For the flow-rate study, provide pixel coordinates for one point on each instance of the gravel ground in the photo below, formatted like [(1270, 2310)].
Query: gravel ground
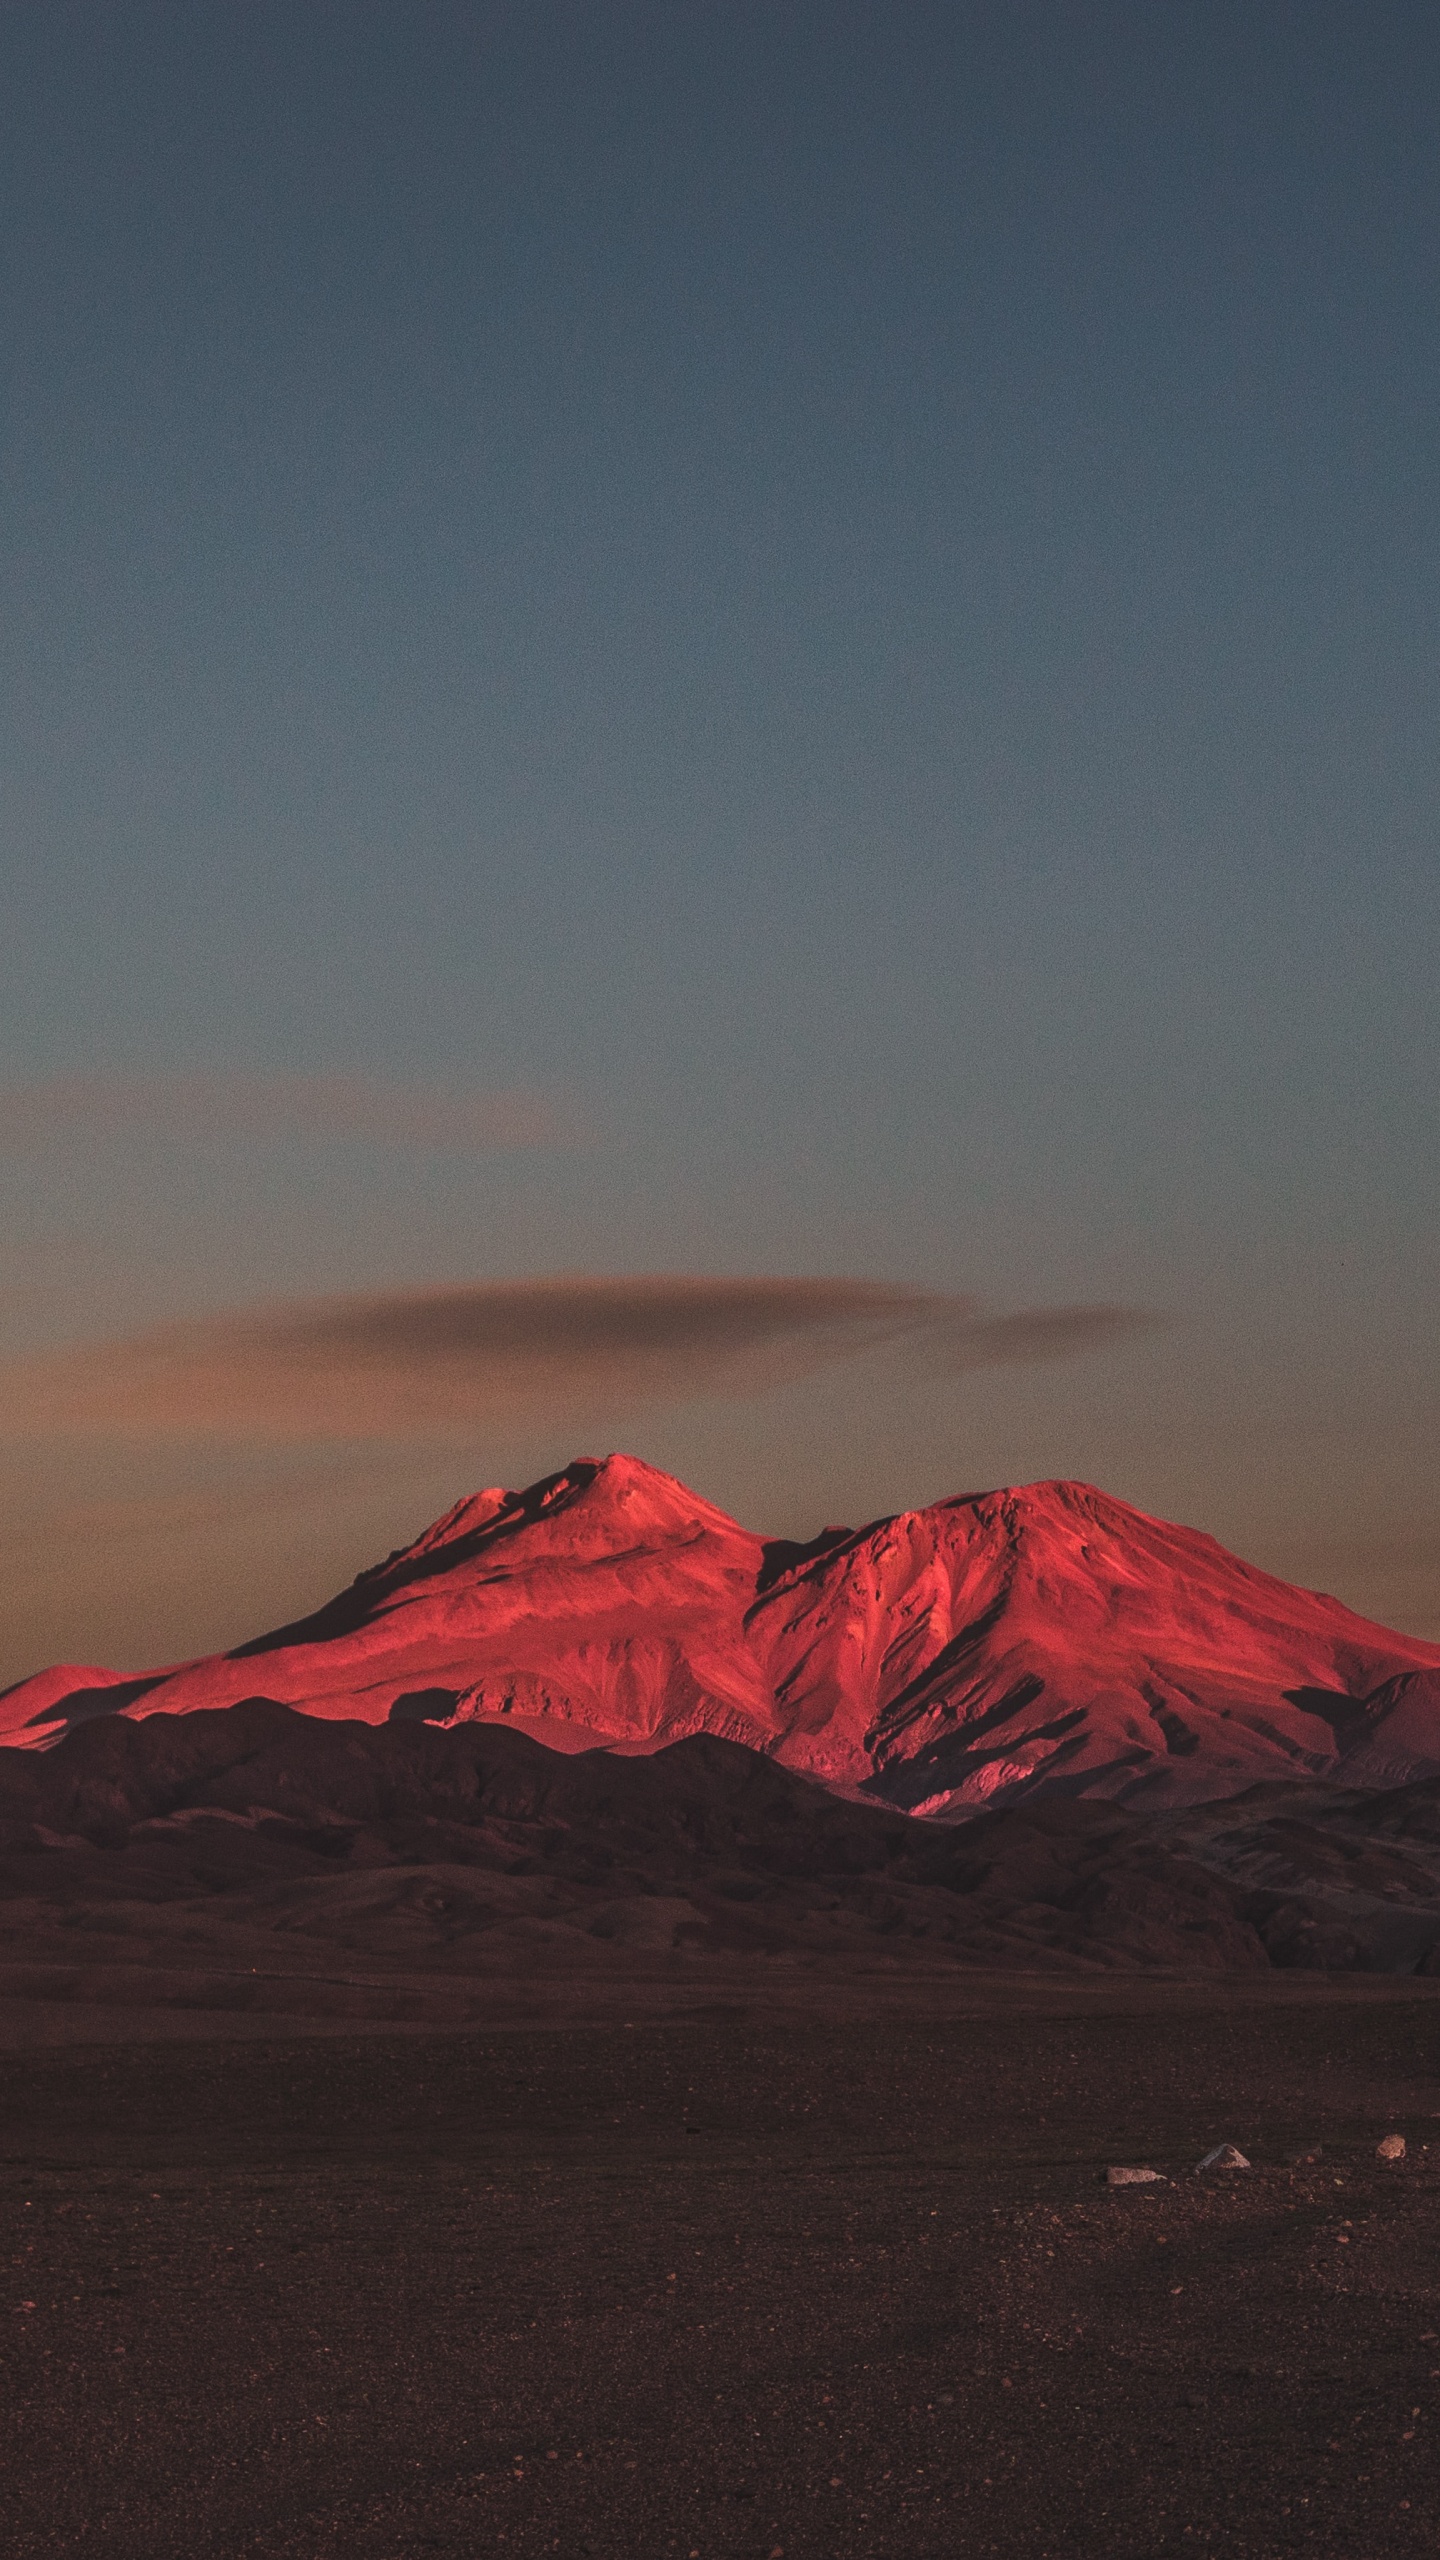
[(727, 2287)]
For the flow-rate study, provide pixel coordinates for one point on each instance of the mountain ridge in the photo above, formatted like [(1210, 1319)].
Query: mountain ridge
[(1047, 1638)]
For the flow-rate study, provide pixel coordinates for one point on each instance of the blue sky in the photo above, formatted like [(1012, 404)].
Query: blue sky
[(842, 601)]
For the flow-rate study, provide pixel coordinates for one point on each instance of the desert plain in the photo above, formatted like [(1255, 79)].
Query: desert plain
[(727, 2266)]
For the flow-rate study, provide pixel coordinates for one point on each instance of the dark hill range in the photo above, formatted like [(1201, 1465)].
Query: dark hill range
[(255, 1859)]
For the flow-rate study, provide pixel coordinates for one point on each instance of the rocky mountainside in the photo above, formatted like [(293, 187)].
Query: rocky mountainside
[(1041, 1640)]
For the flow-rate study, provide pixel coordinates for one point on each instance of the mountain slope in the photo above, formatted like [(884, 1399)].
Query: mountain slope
[(1040, 1639)]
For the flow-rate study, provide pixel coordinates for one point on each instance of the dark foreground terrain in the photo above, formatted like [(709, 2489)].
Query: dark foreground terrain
[(842, 2281)]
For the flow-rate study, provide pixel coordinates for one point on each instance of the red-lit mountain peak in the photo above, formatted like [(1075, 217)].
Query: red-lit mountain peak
[(1042, 1638)]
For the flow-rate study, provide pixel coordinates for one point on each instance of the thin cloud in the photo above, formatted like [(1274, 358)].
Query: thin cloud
[(1042, 1333), (412, 1362), (35, 1116)]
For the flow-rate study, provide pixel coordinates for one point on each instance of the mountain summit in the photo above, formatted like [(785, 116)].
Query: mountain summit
[(1042, 1639)]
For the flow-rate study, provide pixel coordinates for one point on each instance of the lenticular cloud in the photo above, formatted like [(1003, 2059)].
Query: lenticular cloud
[(401, 1362)]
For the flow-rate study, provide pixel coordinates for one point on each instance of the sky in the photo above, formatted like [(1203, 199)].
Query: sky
[(718, 734)]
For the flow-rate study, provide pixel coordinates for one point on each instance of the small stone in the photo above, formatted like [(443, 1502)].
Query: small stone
[(1134, 2178), (1392, 2148), (1224, 2156)]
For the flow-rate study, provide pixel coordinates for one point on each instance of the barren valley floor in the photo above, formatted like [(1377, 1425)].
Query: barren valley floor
[(840, 2281)]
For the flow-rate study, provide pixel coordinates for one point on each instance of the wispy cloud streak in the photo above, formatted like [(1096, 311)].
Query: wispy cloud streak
[(39, 1115), (412, 1362)]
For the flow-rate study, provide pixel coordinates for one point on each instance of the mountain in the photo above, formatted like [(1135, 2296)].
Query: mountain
[(1041, 1640)]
